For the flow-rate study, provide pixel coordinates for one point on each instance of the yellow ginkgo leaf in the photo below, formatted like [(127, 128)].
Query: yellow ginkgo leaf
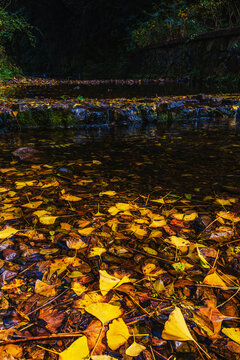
[(76, 244), (40, 213), (227, 215), (158, 223), (21, 184), (223, 202), (83, 223), (7, 232), (108, 193), (123, 206), (3, 171), (117, 334), (77, 350), (88, 299), (159, 201), (78, 288), (50, 184), (214, 280), (44, 289), (190, 217), (33, 205), (113, 210), (96, 251), (178, 216), (178, 241), (69, 197), (150, 250), (135, 349), (47, 219), (138, 231), (176, 328), (15, 351), (3, 189), (232, 333), (65, 226), (86, 231), (104, 312), (108, 282), (102, 357)]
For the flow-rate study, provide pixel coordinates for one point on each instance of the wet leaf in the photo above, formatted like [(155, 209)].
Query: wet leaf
[(135, 349), (77, 350), (33, 205), (15, 351), (96, 251), (176, 328), (104, 312), (47, 219), (69, 197), (7, 232), (108, 193), (232, 333), (117, 334), (44, 289), (108, 282)]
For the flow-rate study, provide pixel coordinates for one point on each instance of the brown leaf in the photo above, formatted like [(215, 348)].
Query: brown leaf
[(92, 332), (53, 318)]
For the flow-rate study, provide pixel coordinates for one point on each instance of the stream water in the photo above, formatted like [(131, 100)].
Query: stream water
[(178, 157), (200, 157)]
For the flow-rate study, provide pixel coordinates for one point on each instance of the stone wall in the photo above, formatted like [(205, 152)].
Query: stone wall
[(212, 53)]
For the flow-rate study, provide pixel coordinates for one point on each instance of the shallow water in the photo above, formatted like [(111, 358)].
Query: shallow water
[(179, 158)]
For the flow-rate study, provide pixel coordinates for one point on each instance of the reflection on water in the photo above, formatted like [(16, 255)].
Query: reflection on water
[(103, 91), (178, 157)]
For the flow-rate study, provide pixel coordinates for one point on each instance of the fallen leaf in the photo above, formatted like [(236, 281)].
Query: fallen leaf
[(77, 350), (104, 312), (47, 219), (215, 280), (92, 333), (96, 251), (176, 328), (33, 205), (232, 333), (178, 241), (15, 351), (7, 232), (44, 289), (108, 193), (117, 334), (69, 197), (86, 231), (108, 282), (52, 317), (135, 349)]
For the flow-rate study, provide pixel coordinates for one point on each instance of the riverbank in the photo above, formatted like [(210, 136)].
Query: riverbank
[(43, 103)]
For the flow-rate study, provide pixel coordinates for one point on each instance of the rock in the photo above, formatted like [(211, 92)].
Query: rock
[(237, 115), (26, 153)]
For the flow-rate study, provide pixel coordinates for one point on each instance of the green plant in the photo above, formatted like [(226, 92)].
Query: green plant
[(9, 25), (179, 19)]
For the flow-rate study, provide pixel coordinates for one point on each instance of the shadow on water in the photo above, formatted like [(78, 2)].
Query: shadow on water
[(183, 157)]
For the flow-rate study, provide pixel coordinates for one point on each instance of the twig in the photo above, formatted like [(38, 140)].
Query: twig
[(149, 255), (43, 337), (48, 302)]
